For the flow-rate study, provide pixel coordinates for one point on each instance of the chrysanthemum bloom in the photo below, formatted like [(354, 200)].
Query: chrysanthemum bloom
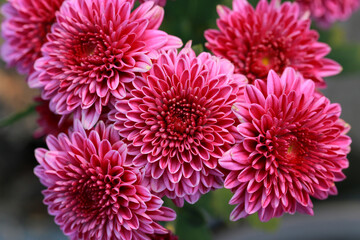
[(24, 29), (94, 49), (158, 2), (294, 147), (179, 122), (49, 122), (326, 12), (272, 36), (92, 193)]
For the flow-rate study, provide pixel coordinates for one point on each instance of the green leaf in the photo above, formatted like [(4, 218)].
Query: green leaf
[(347, 55), (191, 224), (227, 3), (270, 226), (220, 204), (188, 19), (198, 48)]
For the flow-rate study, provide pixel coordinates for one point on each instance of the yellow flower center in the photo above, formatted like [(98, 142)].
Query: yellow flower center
[(265, 61)]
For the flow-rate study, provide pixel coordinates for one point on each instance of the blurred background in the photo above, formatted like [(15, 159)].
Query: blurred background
[(24, 217)]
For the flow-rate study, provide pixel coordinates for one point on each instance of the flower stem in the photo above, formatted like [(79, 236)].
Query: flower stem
[(17, 116)]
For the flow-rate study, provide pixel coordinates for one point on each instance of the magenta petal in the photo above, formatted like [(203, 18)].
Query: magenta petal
[(155, 39), (89, 118), (238, 213)]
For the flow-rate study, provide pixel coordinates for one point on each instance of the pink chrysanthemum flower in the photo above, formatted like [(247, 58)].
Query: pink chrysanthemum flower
[(272, 36), (24, 29), (92, 193), (179, 122), (161, 3), (326, 12), (294, 147), (49, 122), (94, 49)]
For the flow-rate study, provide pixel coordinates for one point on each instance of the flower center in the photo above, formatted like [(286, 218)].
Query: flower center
[(269, 53), (295, 151), (90, 197), (292, 149), (265, 61), (182, 118), (88, 49), (87, 197), (179, 125)]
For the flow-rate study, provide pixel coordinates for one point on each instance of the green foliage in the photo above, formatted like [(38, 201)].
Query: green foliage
[(17, 116), (192, 220), (348, 56), (344, 52), (191, 223), (220, 204), (188, 19), (198, 48), (270, 226)]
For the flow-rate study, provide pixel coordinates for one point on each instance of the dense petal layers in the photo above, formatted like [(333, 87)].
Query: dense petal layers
[(294, 147), (95, 48), (179, 122), (92, 193), (272, 36), (326, 12), (24, 29)]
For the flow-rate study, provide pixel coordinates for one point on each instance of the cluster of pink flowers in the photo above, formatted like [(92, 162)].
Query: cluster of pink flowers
[(130, 119)]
